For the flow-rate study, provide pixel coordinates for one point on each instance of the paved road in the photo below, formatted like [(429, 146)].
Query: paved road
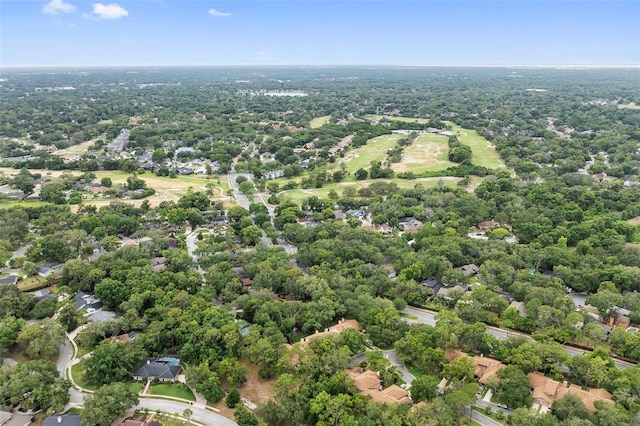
[(428, 317), (65, 353), (392, 356), (8, 361), (199, 414), (481, 418)]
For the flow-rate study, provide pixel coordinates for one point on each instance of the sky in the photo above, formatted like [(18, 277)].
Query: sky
[(313, 32)]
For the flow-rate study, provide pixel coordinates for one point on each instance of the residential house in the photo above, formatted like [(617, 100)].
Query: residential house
[(87, 301), (356, 213), (165, 368), (470, 269), (338, 328), (368, 383), (42, 294), (11, 279), (619, 318), (220, 220), (487, 225), (48, 269), (546, 391), (486, 368), (447, 292), (520, 307), (62, 420), (433, 283), (410, 224), (158, 263)]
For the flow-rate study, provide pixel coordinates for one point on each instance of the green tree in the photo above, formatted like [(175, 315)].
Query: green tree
[(244, 417), (42, 339), (514, 388), (107, 403), (233, 398), (424, 388), (106, 181), (569, 406), (360, 174)]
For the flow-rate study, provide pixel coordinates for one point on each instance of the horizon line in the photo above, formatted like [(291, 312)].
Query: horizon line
[(635, 65)]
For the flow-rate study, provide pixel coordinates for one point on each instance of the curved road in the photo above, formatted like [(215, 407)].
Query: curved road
[(428, 317)]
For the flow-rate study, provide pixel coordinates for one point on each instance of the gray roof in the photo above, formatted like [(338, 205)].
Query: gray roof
[(152, 367), (11, 279), (62, 420)]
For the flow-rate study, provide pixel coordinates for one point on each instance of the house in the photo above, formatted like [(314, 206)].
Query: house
[(619, 319), (470, 269), (355, 213), (447, 292), (341, 326), (87, 301), (48, 269), (246, 282), (546, 391), (62, 420), (220, 220), (165, 368), (140, 421), (11, 279), (433, 283), (520, 307), (486, 368), (42, 294), (185, 149), (385, 230), (410, 224), (487, 225), (158, 263), (368, 383)]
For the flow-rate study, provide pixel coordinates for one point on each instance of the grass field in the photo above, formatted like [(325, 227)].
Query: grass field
[(375, 150), (418, 157), (32, 283), (319, 121), (631, 105), (297, 195), (77, 371), (426, 153), (177, 390), (10, 204)]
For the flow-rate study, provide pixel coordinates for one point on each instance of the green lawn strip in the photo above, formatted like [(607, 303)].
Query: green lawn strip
[(77, 372), (375, 150), (631, 105), (74, 410), (135, 387), (403, 315), (10, 204), (177, 390), (319, 121), (484, 153)]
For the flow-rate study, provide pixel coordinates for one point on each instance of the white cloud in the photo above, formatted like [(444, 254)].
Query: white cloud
[(109, 11), (55, 7), (214, 12)]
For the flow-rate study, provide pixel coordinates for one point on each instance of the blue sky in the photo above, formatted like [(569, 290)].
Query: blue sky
[(243, 32)]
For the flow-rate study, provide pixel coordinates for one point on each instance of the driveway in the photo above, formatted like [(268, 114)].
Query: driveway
[(200, 415), (392, 356)]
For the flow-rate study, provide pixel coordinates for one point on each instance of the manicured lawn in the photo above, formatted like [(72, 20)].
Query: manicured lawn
[(403, 315), (375, 150), (73, 410), (632, 105), (32, 283), (319, 121), (177, 390), (135, 387), (10, 204), (77, 371), (484, 153)]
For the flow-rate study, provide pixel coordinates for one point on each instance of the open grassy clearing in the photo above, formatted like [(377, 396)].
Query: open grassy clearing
[(484, 153), (10, 204), (405, 119), (426, 153), (177, 390), (375, 150), (631, 105), (78, 149), (319, 121), (297, 195)]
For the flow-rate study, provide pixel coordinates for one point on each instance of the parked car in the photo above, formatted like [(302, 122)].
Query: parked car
[(503, 406)]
